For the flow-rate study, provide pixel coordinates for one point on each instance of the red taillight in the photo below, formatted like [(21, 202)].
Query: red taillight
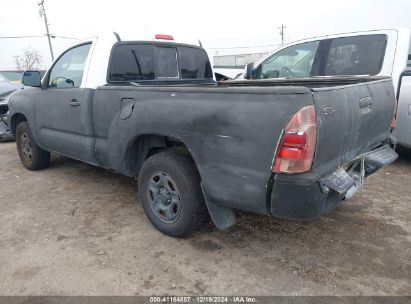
[(164, 37), (394, 119), (295, 140), (297, 146)]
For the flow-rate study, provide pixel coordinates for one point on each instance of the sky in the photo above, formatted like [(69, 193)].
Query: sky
[(217, 23)]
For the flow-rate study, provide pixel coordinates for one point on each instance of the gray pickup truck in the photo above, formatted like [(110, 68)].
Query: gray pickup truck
[(151, 109)]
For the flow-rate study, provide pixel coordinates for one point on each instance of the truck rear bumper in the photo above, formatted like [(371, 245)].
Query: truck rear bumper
[(308, 199)]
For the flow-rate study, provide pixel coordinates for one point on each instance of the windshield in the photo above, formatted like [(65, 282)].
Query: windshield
[(3, 79), (14, 76)]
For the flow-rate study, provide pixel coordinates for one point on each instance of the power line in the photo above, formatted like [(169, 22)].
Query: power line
[(14, 37), (242, 47), (36, 36), (63, 37)]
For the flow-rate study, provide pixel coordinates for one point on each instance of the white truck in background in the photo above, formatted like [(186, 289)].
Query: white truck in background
[(379, 52)]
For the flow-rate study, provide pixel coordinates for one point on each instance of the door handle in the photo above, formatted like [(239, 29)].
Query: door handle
[(365, 102), (74, 103), (365, 105)]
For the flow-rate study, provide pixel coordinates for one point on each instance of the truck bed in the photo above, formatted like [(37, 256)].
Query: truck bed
[(312, 83), (232, 129)]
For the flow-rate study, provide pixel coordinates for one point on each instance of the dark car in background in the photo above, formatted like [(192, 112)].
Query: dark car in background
[(6, 89), (10, 82)]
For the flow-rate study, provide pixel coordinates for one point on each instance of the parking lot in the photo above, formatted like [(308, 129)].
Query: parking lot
[(74, 229)]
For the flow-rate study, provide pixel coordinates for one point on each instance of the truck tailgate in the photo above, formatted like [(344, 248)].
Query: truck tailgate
[(351, 120)]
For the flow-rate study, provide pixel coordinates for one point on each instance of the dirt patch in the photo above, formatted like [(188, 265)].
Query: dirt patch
[(74, 229)]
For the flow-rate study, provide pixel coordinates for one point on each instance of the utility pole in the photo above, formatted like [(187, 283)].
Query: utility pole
[(281, 28), (42, 12)]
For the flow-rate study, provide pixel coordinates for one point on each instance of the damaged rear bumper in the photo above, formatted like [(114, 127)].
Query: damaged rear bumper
[(308, 199)]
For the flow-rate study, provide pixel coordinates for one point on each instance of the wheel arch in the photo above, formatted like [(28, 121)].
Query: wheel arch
[(145, 145), (150, 144), (15, 120)]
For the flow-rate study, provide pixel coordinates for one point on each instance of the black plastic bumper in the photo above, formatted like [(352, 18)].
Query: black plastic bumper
[(301, 200), (309, 199)]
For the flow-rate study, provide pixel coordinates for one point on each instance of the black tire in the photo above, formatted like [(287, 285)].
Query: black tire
[(32, 157), (180, 179)]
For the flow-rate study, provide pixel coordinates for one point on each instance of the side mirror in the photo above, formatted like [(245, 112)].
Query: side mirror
[(31, 78), (248, 70)]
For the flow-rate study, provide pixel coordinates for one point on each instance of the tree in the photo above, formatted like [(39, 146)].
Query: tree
[(30, 60)]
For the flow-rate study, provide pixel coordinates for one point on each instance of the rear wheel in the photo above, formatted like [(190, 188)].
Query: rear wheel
[(32, 157), (170, 192)]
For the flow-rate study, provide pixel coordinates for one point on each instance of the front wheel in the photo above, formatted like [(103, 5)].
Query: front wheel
[(170, 192), (31, 155)]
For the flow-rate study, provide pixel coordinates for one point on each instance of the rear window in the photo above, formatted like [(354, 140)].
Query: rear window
[(357, 55), (167, 62), (147, 61), (194, 64), (132, 62)]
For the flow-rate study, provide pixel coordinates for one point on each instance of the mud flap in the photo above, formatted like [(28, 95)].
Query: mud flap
[(222, 217)]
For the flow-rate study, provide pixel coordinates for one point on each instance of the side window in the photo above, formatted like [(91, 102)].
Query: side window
[(294, 61), (132, 62), (357, 55), (68, 71), (194, 64), (166, 62)]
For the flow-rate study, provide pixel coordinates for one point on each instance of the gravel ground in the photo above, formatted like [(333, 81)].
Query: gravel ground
[(74, 229)]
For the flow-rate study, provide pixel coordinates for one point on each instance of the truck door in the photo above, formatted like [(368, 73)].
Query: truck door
[(402, 132), (63, 108)]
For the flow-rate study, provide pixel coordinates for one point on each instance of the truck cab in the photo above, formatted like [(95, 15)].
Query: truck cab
[(157, 57), (106, 60)]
